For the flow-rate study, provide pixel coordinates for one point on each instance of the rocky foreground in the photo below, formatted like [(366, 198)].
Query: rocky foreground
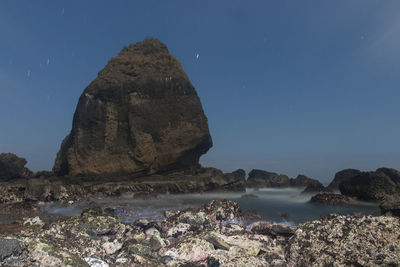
[(214, 235)]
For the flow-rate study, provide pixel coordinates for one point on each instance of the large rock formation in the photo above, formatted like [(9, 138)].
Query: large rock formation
[(373, 186), (140, 115), (12, 167), (342, 176)]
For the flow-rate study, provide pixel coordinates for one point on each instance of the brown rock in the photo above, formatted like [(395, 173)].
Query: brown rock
[(140, 115), (13, 167)]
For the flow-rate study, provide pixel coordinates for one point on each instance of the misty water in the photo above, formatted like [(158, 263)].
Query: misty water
[(270, 204)]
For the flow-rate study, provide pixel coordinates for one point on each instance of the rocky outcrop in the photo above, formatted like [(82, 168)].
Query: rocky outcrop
[(372, 186), (59, 188), (213, 235), (13, 167), (304, 181), (260, 178), (141, 115), (331, 199), (342, 176)]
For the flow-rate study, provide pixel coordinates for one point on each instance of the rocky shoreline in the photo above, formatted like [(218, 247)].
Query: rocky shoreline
[(217, 234)]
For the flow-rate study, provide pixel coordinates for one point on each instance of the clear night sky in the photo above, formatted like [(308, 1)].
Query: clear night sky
[(294, 87)]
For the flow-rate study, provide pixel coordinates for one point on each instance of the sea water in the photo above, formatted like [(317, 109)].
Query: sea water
[(286, 206)]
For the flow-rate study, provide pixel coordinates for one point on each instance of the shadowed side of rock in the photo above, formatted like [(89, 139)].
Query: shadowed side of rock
[(13, 167)]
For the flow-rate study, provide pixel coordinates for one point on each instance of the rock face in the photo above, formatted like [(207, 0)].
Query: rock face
[(12, 167), (140, 115), (372, 186), (260, 178), (341, 176)]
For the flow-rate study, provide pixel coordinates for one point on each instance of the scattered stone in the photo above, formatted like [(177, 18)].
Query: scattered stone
[(112, 247)]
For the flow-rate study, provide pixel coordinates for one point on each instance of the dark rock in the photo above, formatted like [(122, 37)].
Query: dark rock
[(141, 115), (251, 216), (23, 208), (260, 178), (222, 209), (266, 228), (13, 167), (331, 199), (304, 181), (316, 188), (372, 186), (341, 176), (10, 247), (390, 206), (92, 211)]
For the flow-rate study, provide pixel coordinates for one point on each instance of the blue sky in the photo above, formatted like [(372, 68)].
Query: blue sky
[(294, 87)]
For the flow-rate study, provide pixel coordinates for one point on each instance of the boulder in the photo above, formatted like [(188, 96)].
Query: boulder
[(331, 199), (372, 186), (390, 206), (260, 178), (341, 176), (13, 167), (304, 181), (141, 115)]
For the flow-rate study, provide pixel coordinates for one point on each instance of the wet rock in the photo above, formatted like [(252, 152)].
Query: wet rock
[(145, 117), (331, 199), (217, 241), (222, 210)]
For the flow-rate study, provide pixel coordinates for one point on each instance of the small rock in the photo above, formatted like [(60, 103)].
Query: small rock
[(112, 247), (36, 221), (95, 262)]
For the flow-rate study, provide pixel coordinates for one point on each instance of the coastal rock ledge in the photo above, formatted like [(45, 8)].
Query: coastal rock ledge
[(141, 115), (214, 235)]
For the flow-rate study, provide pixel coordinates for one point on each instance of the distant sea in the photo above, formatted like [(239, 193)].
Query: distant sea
[(271, 204)]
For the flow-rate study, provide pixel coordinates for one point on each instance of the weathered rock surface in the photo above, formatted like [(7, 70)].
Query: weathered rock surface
[(331, 199), (141, 115), (260, 178), (346, 241), (373, 186), (341, 176), (13, 167), (213, 235)]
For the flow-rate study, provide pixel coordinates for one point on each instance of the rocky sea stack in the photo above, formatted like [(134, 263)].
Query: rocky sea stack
[(141, 115)]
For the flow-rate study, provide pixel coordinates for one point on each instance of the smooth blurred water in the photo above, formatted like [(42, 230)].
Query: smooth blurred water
[(270, 204)]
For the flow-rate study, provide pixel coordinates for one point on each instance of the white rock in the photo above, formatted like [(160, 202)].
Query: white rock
[(112, 247), (34, 221), (93, 262)]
